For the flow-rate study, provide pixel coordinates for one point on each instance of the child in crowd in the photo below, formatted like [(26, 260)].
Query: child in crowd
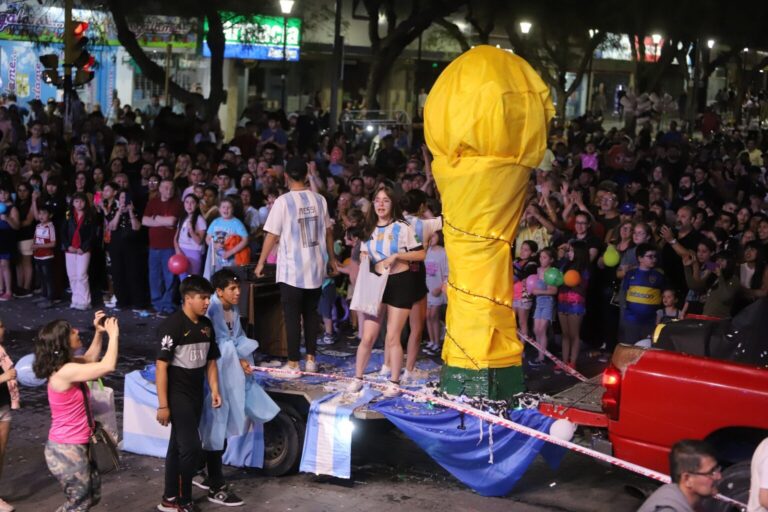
[(325, 308), (9, 399), (642, 288), (78, 239), (523, 266), (190, 235), (352, 268), (544, 312), (43, 249), (436, 264), (226, 238), (572, 301), (669, 312), (188, 353), (243, 401)]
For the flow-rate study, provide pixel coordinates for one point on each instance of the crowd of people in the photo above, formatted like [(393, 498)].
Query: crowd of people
[(655, 225)]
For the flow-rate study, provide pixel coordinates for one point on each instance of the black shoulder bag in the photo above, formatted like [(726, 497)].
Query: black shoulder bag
[(102, 448)]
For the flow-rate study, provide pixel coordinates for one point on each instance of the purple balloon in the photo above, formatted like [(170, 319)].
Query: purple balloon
[(531, 282)]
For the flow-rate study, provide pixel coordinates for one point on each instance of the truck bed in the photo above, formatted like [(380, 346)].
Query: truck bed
[(580, 404)]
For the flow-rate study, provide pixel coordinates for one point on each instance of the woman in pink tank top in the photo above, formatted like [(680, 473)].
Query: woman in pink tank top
[(66, 451)]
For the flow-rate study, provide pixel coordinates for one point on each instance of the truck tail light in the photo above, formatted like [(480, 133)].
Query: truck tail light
[(612, 395)]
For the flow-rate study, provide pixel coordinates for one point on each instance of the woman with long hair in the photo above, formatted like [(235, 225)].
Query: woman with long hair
[(571, 301), (190, 235), (66, 451), (25, 205), (126, 254), (390, 246), (78, 240)]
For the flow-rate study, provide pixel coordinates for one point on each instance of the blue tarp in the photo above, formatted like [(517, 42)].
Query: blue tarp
[(462, 452)]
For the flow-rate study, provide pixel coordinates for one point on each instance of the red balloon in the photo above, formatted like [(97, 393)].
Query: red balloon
[(178, 264), (572, 278)]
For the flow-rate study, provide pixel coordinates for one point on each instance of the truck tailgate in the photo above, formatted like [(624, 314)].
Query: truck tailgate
[(580, 404)]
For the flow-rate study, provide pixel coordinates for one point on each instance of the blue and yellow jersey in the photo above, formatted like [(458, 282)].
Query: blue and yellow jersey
[(643, 294)]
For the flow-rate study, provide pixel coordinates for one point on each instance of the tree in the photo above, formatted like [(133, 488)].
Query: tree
[(215, 38), (399, 34), (554, 49)]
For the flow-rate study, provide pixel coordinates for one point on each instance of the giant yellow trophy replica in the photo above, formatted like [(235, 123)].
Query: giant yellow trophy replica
[(486, 123)]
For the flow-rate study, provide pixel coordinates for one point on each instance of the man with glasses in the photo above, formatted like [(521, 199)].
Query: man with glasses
[(694, 472), (642, 287)]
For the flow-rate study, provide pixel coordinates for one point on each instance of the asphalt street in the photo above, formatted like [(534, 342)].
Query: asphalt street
[(389, 471)]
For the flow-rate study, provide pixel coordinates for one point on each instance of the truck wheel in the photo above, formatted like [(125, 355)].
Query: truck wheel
[(734, 484), (283, 442)]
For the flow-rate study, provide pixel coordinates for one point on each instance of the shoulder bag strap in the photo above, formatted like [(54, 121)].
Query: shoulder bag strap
[(87, 404)]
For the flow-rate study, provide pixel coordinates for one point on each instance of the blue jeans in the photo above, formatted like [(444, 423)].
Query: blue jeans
[(161, 279)]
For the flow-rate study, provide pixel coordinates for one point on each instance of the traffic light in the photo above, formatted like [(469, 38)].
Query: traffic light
[(50, 74), (76, 53)]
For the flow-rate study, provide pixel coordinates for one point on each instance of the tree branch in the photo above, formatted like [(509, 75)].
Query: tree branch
[(147, 66), (455, 32)]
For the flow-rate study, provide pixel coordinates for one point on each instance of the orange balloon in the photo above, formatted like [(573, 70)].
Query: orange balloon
[(572, 278), (346, 262)]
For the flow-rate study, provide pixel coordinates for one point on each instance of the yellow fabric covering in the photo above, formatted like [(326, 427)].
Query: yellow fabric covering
[(485, 122)]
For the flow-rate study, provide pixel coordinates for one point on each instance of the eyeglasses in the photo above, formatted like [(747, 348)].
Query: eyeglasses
[(709, 474)]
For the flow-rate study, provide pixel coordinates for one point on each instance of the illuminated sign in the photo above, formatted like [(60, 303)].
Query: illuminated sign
[(257, 37)]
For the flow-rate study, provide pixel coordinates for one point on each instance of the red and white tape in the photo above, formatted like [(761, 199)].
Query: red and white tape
[(567, 369), (503, 422)]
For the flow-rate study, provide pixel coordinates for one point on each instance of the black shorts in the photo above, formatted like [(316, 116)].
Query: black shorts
[(398, 292)]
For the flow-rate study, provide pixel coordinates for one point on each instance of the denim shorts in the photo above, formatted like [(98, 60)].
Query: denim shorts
[(545, 308), (571, 309)]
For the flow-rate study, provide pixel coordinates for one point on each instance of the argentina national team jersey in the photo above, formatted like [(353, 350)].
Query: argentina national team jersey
[(300, 219), (424, 228), (391, 239)]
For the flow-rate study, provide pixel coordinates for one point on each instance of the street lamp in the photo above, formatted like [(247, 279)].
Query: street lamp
[(710, 43), (286, 6), (656, 38), (525, 27)]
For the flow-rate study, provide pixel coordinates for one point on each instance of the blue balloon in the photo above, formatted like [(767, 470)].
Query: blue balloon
[(3, 208), (24, 373)]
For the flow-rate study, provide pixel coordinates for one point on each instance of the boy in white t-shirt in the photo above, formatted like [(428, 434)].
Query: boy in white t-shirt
[(299, 220)]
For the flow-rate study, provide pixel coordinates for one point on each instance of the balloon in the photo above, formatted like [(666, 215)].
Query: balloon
[(3, 208), (572, 278), (24, 373), (178, 264), (346, 262), (531, 282), (611, 257), (553, 277), (337, 247), (562, 429)]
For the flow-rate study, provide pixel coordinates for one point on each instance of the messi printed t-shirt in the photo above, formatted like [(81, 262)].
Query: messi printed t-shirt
[(187, 347), (300, 219), (643, 295)]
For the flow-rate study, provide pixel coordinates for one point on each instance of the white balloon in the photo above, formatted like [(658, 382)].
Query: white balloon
[(562, 429), (24, 373)]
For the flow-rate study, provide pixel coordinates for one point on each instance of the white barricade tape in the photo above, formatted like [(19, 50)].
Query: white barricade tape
[(503, 422), (567, 369)]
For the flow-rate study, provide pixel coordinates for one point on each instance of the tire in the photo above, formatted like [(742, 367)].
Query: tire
[(283, 442), (734, 484)]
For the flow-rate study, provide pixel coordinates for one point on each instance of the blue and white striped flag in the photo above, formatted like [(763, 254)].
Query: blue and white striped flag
[(328, 438)]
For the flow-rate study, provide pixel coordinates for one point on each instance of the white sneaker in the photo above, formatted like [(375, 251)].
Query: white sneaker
[(355, 385), (5, 506), (414, 376), (392, 390), (385, 370), (310, 366), (288, 372)]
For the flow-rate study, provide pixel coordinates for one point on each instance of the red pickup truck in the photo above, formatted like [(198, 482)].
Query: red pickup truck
[(709, 381)]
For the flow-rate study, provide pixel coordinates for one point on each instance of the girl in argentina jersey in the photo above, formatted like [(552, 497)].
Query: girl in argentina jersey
[(390, 245)]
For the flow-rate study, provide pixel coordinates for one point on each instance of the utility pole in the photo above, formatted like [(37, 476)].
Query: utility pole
[(68, 61), (338, 44)]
